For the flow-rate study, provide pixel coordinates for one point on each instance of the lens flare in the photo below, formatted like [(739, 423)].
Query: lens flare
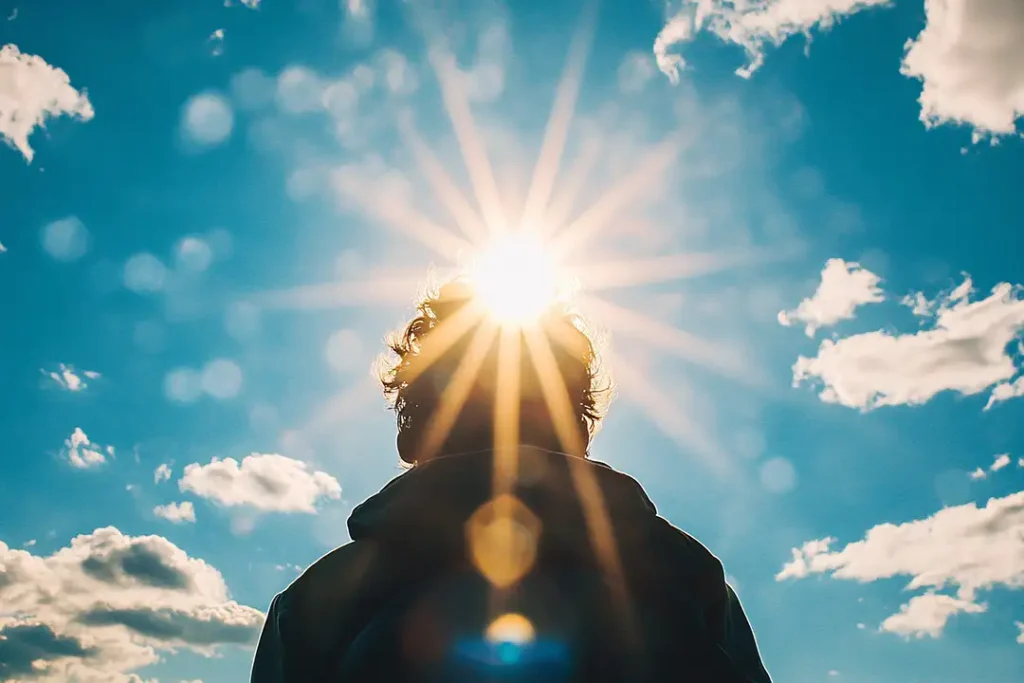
[(515, 278), (510, 628)]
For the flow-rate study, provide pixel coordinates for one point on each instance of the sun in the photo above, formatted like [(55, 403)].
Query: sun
[(515, 278)]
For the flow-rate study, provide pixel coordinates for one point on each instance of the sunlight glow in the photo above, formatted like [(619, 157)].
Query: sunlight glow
[(515, 278), (511, 628)]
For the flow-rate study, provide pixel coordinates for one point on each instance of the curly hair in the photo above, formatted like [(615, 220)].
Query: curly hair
[(421, 365)]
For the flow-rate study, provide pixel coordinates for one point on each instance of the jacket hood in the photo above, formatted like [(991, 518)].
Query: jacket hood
[(431, 502)]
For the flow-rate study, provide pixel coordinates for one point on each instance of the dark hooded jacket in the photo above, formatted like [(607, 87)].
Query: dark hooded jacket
[(416, 524)]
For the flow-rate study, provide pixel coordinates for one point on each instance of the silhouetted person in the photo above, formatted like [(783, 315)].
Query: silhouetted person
[(488, 561)]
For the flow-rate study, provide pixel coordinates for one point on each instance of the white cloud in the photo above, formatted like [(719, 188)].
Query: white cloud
[(109, 604), (268, 482), (926, 615), (176, 512), (918, 303), (844, 287), (67, 378), (1004, 391), (161, 473), (751, 24), (999, 462), (965, 350), (963, 547), (216, 42), (1020, 637), (32, 91), (968, 58), (83, 453)]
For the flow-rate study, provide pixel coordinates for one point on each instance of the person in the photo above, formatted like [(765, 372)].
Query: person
[(504, 552)]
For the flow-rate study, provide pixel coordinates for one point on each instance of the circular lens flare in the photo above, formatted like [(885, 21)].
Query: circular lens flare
[(514, 629), (515, 279)]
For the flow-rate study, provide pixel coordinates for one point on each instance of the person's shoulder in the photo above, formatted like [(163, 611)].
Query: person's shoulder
[(684, 544), (333, 577)]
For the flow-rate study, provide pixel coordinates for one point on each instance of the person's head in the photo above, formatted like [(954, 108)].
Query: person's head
[(450, 338)]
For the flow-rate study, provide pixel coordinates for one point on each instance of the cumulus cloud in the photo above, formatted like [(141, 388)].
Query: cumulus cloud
[(926, 615), (964, 350), (176, 513), (83, 453), (68, 378), (109, 604), (267, 482), (967, 548), (968, 59), (32, 91), (844, 287), (753, 25)]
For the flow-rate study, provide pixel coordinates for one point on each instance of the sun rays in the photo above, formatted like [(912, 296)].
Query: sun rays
[(520, 261), (519, 264)]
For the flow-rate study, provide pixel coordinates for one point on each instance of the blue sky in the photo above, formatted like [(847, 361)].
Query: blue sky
[(807, 276)]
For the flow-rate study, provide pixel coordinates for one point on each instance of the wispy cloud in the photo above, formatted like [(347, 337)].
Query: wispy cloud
[(1006, 391), (966, 547), (965, 351), (161, 473), (844, 288), (176, 513), (216, 42), (753, 25), (267, 482), (68, 378), (32, 91)]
